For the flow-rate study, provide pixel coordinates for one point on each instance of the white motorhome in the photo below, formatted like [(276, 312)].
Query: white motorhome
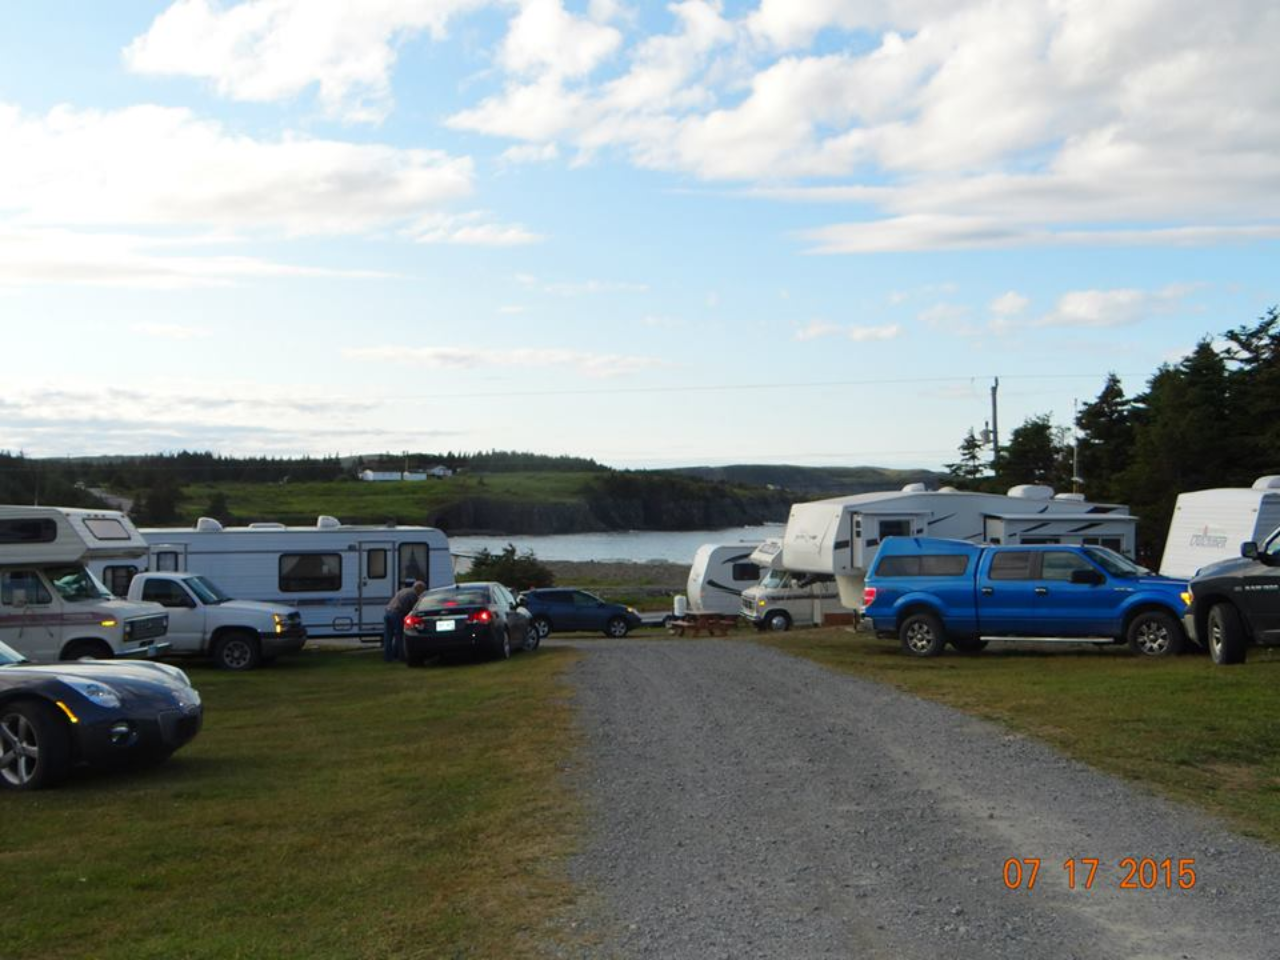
[(719, 574), (784, 599), (51, 606), (840, 536), (1210, 525), (339, 576)]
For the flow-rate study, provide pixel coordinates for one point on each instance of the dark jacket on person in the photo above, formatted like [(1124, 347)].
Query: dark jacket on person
[(403, 602)]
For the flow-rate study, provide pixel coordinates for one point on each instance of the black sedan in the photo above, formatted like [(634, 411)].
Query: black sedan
[(97, 712), (478, 618)]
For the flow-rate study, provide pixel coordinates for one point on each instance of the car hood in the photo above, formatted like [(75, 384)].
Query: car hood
[(1155, 580), (255, 606), (1224, 568), (139, 677)]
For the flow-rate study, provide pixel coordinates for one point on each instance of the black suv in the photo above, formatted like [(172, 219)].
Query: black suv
[(1237, 602)]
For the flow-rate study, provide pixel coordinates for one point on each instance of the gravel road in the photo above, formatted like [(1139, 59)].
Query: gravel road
[(750, 804)]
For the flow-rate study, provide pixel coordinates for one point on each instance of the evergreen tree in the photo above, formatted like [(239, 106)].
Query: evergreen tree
[(1033, 454), (1106, 441), (970, 466)]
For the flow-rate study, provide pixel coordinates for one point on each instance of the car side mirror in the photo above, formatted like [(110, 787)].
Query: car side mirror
[(1249, 550), (1090, 577)]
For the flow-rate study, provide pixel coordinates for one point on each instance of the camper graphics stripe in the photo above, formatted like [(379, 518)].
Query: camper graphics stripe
[(49, 619)]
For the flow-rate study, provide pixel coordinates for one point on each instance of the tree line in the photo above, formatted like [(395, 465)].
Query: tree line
[(1210, 420)]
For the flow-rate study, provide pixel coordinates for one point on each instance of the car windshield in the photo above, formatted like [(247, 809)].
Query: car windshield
[(76, 584), (1115, 564), (208, 591), (9, 655), (1272, 549), (454, 597), (775, 578)]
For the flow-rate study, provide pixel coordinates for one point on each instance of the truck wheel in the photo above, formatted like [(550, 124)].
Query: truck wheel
[(237, 650), (1154, 633), (922, 635), (86, 650), (778, 622), (35, 750), (968, 644), (1226, 635)]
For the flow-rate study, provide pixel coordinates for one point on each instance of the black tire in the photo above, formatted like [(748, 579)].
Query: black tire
[(532, 639), (501, 648), (617, 627), (969, 644), (1224, 632), (543, 627), (87, 650), (1155, 633), (236, 650), (922, 635), (777, 621), (35, 747)]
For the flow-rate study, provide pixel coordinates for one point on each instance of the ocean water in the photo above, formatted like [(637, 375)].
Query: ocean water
[(634, 545)]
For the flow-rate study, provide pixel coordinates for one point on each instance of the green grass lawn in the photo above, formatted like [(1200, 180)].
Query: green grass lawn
[(1209, 735), (333, 806)]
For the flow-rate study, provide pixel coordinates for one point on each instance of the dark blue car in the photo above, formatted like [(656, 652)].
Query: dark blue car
[(565, 610)]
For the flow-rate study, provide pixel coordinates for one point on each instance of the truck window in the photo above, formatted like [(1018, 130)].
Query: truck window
[(25, 582), (166, 593), (37, 530), (933, 565), (1012, 565), (746, 571), (1059, 565), (303, 572), (118, 578)]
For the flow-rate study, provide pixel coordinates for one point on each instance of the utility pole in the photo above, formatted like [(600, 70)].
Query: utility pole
[(995, 428), (1075, 447)]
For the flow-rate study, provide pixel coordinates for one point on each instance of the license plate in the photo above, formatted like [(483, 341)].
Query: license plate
[(444, 626)]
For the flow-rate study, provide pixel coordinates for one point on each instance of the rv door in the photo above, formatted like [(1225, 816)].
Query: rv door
[(376, 583)]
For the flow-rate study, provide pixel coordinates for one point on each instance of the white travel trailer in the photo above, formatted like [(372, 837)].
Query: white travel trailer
[(720, 572), (1210, 525), (840, 536), (339, 576), (51, 607)]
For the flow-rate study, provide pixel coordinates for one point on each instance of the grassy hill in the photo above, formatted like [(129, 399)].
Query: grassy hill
[(814, 482)]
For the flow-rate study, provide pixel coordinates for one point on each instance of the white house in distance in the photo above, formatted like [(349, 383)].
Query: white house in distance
[(438, 472)]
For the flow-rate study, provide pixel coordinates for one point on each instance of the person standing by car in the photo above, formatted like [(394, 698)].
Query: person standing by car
[(393, 620)]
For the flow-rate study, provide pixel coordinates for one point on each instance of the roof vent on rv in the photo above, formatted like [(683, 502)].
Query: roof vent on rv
[(208, 525), (915, 488), (266, 525), (1267, 483), (326, 522), (1078, 497), (1031, 491)]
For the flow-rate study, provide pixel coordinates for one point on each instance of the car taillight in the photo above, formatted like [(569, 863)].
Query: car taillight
[(414, 622), (480, 616), (868, 596)]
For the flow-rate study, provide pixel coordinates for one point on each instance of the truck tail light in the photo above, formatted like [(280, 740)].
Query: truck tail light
[(480, 616), (868, 596)]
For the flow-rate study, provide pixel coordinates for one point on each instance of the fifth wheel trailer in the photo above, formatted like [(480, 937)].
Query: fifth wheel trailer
[(1210, 525), (840, 536)]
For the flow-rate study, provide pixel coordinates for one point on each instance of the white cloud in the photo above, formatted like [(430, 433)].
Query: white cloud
[(545, 38), (471, 229), (816, 329), (1112, 308), (269, 50), (531, 153), (868, 334), (1009, 304), (595, 365), (820, 328), (578, 288)]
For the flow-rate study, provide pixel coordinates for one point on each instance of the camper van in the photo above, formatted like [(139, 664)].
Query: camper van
[(51, 606), (784, 599), (1210, 525), (840, 536), (720, 572), (338, 576)]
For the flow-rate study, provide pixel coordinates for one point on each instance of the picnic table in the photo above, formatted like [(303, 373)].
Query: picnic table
[(696, 624)]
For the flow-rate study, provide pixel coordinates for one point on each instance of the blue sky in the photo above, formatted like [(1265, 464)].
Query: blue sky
[(804, 231)]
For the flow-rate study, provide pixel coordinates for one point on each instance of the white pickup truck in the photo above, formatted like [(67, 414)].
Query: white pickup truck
[(237, 634)]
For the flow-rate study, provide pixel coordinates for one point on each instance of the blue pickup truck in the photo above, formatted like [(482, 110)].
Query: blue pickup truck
[(929, 592)]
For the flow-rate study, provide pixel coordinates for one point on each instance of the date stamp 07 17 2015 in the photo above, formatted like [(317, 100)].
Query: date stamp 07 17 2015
[(1135, 873)]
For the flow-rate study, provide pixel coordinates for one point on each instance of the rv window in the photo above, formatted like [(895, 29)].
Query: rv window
[(302, 572), (1059, 565), (1111, 543), (1012, 565), (746, 571), (39, 530), (167, 561), (26, 582), (376, 565), (107, 529), (413, 562), (895, 528), (118, 579)]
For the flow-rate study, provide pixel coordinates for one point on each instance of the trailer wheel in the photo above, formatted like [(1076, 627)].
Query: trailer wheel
[(35, 750), (237, 650), (1154, 633), (1226, 635), (922, 635)]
